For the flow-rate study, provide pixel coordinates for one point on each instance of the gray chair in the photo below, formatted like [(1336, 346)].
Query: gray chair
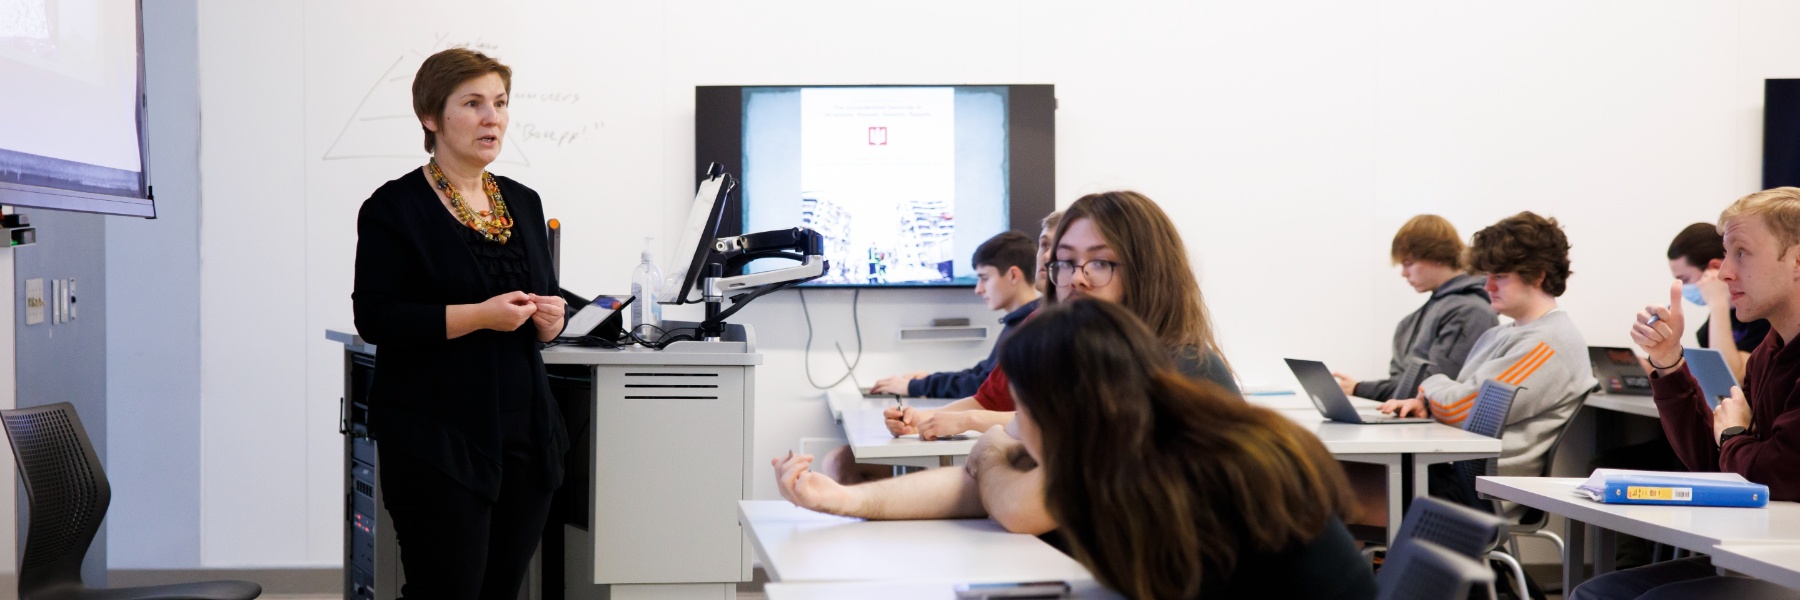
[(1493, 402), (1425, 571), (1459, 529), (68, 495), (1406, 386)]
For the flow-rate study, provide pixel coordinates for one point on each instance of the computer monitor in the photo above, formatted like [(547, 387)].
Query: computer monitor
[(698, 236), (901, 182)]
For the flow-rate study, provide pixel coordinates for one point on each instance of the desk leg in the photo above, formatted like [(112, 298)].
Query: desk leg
[(1606, 551), (1396, 493), (946, 461), (1575, 566)]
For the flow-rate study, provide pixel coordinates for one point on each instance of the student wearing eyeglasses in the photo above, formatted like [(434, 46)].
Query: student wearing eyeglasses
[(1117, 247)]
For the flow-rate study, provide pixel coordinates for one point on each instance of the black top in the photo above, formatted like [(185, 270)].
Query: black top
[(441, 400), (1328, 568), (1746, 335), (962, 384)]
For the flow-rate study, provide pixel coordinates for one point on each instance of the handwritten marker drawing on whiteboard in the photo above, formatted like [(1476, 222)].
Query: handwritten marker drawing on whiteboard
[(383, 125)]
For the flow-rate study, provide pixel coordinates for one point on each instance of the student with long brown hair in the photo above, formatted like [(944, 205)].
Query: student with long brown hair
[(1167, 487), (1117, 247)]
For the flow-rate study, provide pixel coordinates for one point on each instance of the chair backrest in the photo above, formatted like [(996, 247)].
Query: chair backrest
[(1460, 529), (1406, 386), (1492, 403), (66, 489), (1427, 571)]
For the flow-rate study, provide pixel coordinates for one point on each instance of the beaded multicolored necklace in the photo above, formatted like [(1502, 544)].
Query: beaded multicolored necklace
[(497, 228)]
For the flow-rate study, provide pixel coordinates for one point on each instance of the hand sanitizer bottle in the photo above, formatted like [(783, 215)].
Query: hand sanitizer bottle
[(646, 281)]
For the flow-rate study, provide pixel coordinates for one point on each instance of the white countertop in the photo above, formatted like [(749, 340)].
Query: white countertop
[(1775, 563), (1399, 438), (1697, 528), (798, 545)]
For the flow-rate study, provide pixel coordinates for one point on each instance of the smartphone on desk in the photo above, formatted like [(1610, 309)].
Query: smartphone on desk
[(1013, 590)]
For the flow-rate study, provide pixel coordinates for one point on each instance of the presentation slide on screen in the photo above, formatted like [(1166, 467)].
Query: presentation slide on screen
[(78, 60), (902, 182)]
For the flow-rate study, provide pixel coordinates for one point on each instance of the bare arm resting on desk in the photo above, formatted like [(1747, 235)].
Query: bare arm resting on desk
[(934, 494), (1010, 483)]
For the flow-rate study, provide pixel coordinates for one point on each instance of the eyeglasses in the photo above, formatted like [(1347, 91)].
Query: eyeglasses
[(1099, 272)]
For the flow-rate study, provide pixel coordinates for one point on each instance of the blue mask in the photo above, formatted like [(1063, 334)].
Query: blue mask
[(1691, 291)]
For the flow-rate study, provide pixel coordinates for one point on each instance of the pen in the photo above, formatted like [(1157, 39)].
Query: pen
[(1654, 318)]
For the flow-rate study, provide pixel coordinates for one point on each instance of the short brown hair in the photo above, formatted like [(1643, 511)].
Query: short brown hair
[(1162, 485), (1007, 250), (1428, 237), (1526, 244), (438, 77), (1700, 244), (1780, 210)]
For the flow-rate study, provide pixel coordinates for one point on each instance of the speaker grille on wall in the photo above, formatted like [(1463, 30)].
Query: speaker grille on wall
[(1781, 133)]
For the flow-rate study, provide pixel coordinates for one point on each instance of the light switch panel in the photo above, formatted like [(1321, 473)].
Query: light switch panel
[(34, 301)]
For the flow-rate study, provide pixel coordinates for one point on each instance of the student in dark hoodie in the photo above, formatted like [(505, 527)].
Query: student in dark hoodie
[(1430, 255)]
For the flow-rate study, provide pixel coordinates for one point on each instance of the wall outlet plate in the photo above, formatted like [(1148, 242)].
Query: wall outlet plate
[(34, 301)]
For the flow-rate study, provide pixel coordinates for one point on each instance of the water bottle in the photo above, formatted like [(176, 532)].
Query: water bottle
[(645, 283)]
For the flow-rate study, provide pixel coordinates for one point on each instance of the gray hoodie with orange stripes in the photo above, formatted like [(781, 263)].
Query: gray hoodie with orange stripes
[(1548, 359)]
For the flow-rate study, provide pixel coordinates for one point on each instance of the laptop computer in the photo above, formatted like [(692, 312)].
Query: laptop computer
[(1709, 368), (1331, 401), (1619, 371)]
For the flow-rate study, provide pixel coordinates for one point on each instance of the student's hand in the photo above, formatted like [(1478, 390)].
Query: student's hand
[(902, 421), (896, 384), (994, 449), (1732, 412), (1661, 340), (943, 424), (1345, 382), (1713, 291), (809, 490), (1411, 407), (506, 312), (549, 312)]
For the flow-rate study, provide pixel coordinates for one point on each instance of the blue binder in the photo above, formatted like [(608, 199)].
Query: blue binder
[(1677, 491)]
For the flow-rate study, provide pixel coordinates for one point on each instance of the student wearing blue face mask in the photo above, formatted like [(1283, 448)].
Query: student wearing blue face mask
[(1694, 258)]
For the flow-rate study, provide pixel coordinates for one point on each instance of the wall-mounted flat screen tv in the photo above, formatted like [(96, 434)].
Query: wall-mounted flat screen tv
[(903, 181)]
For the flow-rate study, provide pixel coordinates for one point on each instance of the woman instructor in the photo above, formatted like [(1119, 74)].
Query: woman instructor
[(454, 284)]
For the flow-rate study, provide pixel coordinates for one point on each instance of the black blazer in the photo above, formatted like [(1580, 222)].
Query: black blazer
[(438, 400)]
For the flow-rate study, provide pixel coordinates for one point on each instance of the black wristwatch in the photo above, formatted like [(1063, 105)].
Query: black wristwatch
[(1730, 432)]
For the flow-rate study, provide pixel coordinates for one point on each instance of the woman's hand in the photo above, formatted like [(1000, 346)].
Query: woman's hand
[(548, 316), (904, 420), (506, 312), (810, 490), (943, 424)]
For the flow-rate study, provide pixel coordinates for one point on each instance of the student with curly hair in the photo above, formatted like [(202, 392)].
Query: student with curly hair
[(1526, 259)]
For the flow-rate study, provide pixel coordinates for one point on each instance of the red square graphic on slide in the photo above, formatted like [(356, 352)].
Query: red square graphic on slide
[(877, 136)]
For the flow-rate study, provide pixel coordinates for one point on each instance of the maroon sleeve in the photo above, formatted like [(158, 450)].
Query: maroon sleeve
[(1769, 456), (1685, 419), (996, 392)]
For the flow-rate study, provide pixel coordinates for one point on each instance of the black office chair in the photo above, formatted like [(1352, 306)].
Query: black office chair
[(1425, 571), (68, 496)]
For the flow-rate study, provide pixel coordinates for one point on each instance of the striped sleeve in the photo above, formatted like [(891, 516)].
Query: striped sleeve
[(1450, 401)]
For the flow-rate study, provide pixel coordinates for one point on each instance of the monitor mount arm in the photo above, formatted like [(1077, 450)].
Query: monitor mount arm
[(798, 244)]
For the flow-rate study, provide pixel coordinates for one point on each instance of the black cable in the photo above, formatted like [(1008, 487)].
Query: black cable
[(856, 317)]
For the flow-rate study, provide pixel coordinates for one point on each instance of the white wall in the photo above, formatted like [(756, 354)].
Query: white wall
[(1287, 139)]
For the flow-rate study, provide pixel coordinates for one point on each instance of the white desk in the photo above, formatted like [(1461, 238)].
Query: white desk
[(1641, 406), (897, 590), (1398, 447), (1774, 563), (799, 545), (871, 442), (1697, 528)]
